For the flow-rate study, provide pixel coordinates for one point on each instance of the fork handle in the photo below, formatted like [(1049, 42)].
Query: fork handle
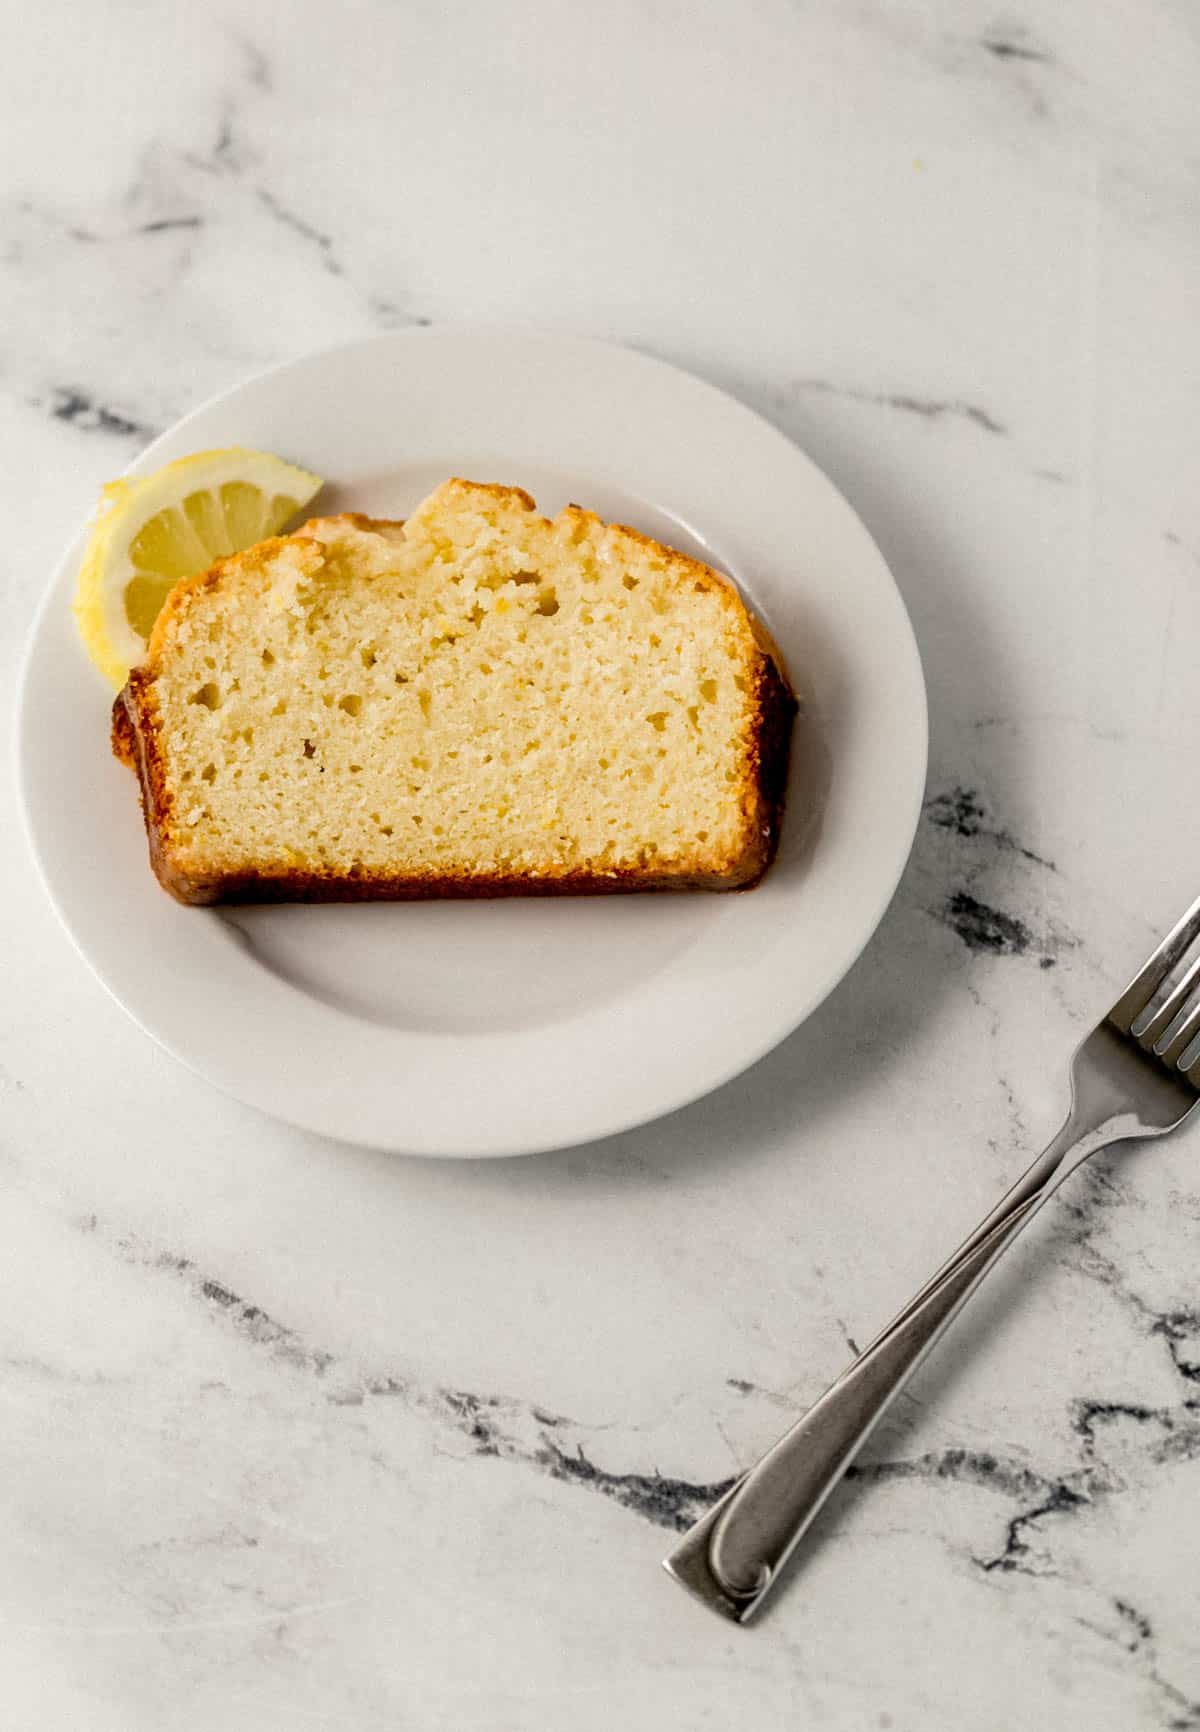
[(734, 1554)]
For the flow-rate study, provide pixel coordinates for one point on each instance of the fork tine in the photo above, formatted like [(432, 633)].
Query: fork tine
[(1143, 986), (1168, 1010), (1183, 1037)]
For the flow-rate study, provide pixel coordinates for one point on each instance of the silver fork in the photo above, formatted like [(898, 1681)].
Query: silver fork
[(1136, 1075)]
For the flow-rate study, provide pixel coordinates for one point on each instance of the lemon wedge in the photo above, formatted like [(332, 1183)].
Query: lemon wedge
[(152, 530)]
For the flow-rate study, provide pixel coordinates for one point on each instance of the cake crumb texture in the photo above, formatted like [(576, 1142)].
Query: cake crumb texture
[(477, 701)]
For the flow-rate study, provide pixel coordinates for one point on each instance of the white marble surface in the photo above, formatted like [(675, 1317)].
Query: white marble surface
[(294, 1435)]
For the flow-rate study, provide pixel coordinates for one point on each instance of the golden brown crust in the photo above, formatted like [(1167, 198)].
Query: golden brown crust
[(124, 742), (365, 886), (497, 490), (135, 742)]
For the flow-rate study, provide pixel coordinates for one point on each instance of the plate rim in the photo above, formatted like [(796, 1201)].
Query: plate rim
[(618, 1122)]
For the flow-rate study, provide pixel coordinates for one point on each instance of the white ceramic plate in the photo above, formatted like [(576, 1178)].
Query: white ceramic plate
[(497, 1028)]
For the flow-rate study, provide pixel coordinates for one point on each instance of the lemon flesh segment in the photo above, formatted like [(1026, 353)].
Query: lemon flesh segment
[(155, 530), (144, 597)]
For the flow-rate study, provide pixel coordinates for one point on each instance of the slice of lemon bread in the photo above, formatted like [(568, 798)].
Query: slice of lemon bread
[(479, 701)]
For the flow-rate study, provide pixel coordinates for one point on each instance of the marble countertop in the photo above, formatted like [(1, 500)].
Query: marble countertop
[(295, 1435)]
